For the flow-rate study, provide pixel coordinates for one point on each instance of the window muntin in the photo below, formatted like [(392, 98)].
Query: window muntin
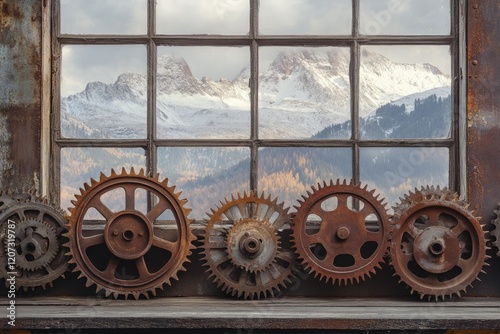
[(352, 149)]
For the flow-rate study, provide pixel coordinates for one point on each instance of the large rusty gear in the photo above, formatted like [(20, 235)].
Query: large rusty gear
[(242, 249), (438, 247), (496, 232), (39, 227), (121, 244), (36, 244), (341, 232)]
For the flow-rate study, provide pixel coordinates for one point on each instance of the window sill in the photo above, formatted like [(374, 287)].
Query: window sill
[(284, 313)]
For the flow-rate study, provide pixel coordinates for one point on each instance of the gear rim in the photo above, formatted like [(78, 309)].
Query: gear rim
[(266, 282), (313, 259), (126, 285), (424, 203)]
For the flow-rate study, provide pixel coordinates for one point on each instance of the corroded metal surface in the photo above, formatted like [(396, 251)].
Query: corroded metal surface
[(483, 110), (39, 225), (242, 249), (341, 232), (438, 247), (20, 95), (131, 252)]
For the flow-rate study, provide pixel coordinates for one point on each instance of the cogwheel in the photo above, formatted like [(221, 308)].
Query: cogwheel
[(241, 247), (36, 244), (124, 246), (496, 232), (38, 228), (341, 232), (438, 246)]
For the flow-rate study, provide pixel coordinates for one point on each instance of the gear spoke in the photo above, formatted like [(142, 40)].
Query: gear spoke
[(158, 209), (101, 207), (92, 241), (129, 198), (109, 272), (458, 229), (142, 268), (165, 244)]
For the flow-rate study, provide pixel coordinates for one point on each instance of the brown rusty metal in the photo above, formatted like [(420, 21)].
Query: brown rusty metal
[(241, 247), (20, 96), (495, 233), (341, 232), (38, 244), (438, 247), (122, 256), (483, 111)]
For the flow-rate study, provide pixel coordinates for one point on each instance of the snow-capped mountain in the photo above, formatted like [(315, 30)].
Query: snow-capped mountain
[(299, 92)]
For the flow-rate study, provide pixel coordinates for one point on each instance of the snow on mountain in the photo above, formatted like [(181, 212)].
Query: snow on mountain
[(300, 92)]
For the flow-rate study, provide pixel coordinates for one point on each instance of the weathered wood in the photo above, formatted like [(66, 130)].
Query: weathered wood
[(300, 313)]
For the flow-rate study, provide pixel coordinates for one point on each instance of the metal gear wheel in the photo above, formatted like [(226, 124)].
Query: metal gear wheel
[(36, 244), (341, 232), (123, 245), (242, 249), (438, 247), (39, 228), (496, 232)]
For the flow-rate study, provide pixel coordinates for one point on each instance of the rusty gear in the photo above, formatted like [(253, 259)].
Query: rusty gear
[(36, 244), (242, 249), (496, 232), (123, 248), (39, 226), (341, 232), (438, 246)]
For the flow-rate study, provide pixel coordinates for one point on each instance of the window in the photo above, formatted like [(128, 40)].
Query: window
[(226, 96)]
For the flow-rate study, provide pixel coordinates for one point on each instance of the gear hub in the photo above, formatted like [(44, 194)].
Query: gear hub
[(341, 232), (438, 246), (242, 248), (126, 244)]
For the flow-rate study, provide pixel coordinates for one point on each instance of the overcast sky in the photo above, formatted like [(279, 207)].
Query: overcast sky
[(83, 64)]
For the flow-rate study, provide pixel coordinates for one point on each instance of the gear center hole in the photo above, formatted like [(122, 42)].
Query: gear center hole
[(128, 235), (30, 247), (437, 248)]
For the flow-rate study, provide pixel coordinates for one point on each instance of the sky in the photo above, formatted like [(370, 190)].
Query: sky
[(84, 64)]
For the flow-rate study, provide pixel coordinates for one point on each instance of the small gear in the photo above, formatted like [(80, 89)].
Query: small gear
[(496, 232), (38, 236), (36, 244), (438, 247), (242, 249), (341, 232), (130, 249)]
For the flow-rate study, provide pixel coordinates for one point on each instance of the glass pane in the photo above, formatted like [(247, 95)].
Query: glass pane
[(393, 172), (305, 17), (303, 91), (127, 17), (78, 165), (205, 175), (405, 17), (103, 91), (289, 172), (405, 92), (203, 92), (226, 17)]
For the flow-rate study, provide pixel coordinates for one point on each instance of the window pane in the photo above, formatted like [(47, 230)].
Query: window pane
[(202, 92), (302, 91), (305, 17), (125, 17), (405, 17), (288, 172), (78, 165), (393, 172), (103, 91), (205, 174), (405, 92), (226, 17)]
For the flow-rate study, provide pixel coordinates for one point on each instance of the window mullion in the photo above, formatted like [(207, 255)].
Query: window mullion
[(254, 99)]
